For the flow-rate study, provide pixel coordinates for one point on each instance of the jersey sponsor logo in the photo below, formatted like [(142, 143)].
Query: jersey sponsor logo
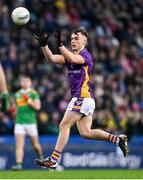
[(21, 102), (74, 71)]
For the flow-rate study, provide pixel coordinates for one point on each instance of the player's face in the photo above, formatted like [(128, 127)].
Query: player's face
[(78, 41), (26, 83)]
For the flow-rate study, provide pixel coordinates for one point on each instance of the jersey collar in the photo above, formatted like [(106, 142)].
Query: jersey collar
[(25, 90)]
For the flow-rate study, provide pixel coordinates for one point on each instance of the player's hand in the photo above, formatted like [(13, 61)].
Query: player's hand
[(41, 38), (29, 101), (59, 39)]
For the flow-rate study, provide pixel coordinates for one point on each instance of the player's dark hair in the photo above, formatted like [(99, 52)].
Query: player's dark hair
[(25, 76), (82, 30)]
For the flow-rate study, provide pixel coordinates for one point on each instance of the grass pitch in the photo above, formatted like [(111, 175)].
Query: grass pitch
[(73, 174)]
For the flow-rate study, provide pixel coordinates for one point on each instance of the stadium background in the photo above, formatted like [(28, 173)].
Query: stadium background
[(116, 44)]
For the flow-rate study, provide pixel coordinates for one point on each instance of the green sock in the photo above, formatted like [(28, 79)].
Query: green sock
[(41, 156), (5, 101), (19, 164)]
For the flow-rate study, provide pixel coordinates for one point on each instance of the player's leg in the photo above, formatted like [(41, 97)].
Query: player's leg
[(84, 127), (4, 91), (19, 132), (32, 132), (19, 151), (67, 122), (37, 147), (19, 148)]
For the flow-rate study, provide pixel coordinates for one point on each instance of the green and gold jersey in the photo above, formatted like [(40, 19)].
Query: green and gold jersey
[(25, 113)]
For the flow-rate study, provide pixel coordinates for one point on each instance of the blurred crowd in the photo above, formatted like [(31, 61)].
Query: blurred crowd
[(115, 41)]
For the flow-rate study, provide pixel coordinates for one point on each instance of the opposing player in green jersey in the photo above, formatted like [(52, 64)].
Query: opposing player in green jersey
[(27, 102)]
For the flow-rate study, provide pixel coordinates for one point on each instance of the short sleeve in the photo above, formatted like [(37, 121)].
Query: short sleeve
[(35, 96), (87, 57)]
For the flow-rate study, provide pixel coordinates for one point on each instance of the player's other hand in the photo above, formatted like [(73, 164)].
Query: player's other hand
[(41, 38), (59, 39)]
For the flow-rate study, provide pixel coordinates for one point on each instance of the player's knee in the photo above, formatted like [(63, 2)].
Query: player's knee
[(63, 125), (85, 134), (19, 146)]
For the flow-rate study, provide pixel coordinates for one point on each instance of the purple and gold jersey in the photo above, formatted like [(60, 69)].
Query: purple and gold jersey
[(79, 76)]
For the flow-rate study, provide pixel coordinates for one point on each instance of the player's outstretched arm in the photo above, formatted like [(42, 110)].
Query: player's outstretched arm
[(68, 55), (3, 84), (59, 59), (5, 102), (71, 57), (54, 58)]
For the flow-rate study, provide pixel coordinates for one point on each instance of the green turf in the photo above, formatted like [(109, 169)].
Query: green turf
[(73, 174)]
